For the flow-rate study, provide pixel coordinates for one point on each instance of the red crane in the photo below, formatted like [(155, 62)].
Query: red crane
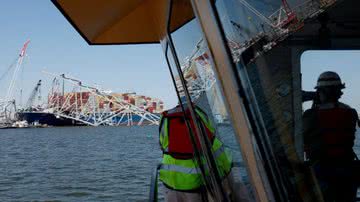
[(23, 50), (286, 6), (291, 15)]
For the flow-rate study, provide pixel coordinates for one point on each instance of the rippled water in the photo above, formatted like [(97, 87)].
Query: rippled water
[(79, 163)]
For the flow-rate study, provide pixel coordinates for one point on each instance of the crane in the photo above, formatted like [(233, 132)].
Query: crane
[(282, 24), (35, 92), (7, 104), (257, 13), (20, 60), (291, 15), (286, 6), (285, 16), (240, 29)]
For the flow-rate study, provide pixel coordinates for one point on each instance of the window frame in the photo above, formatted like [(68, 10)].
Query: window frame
[(237, 103), (216, 188)]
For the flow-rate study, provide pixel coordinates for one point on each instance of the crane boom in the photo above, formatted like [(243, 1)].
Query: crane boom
[(20, 59), (33, 95), (23, 50), (287, 7), (257, 13)]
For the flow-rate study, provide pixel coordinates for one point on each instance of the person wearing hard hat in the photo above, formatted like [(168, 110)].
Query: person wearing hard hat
[(180, 172), (329, 134)]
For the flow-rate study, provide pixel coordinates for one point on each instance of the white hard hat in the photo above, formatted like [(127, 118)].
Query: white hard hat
[(329, 79)]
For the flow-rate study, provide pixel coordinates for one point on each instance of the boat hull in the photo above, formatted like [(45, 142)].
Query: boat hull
[(49, 119), (46, 119)]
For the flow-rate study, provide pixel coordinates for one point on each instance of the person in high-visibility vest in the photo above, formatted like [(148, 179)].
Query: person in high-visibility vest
[(329, 134), (179, 171)]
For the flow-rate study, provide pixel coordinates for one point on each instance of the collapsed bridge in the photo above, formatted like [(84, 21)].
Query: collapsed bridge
[(72, 102)]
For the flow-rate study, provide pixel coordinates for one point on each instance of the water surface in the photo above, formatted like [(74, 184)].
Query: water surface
[(81, 163), (77, 163)]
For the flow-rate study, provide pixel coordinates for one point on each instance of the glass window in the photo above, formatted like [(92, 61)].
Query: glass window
[(258, 34), (268, 82), (345, 64), (247, 22), (201, 83)]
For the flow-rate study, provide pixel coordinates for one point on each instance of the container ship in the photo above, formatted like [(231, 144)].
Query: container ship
[(89, 108), (45, 119)]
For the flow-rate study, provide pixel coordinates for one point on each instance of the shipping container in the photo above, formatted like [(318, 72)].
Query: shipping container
[(132, 101)]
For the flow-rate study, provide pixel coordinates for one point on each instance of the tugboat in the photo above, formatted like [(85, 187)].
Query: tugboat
[(253, 49)]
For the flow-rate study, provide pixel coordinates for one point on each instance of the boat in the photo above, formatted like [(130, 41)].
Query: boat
[(20, 124), (45, 118), (256, 63), (51, 119), (7, 127)]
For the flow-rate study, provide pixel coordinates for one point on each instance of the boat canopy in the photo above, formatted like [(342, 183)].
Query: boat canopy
[(122, 21)]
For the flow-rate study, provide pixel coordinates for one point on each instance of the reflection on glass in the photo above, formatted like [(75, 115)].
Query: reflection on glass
[(172, 65), (247, 23), (260, 24), (201, 83), (253, 29)]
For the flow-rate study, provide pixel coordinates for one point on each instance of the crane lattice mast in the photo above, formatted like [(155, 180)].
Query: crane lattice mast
[(20, 60), (35, 92), (8, 104)]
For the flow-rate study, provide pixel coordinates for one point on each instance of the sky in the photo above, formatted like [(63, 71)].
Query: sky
[(56, 47), (345, 63)]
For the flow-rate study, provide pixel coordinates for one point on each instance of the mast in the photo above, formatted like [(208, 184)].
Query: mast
[(290, 15), (34, 94), (16, 72), (286, 7)]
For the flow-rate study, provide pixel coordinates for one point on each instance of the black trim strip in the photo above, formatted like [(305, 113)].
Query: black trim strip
[(199, 129)]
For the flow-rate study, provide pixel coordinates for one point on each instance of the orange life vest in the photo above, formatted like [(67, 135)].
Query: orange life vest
[(180, 146)]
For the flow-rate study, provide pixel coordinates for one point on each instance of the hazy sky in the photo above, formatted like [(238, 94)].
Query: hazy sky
[(57, 47), (345, 63)]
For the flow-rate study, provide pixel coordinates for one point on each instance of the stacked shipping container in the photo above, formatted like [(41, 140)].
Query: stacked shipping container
[(78, 99)]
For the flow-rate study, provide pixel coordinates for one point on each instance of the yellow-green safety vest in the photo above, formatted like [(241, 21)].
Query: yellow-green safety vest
[(185, 174)]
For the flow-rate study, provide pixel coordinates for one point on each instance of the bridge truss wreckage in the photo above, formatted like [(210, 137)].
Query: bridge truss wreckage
[(92, 106)]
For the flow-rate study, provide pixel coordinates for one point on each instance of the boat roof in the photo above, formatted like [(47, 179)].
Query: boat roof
[(109, 22)]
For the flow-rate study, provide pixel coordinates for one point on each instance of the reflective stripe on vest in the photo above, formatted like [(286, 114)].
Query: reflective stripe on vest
[(180, 174), (218, 152), (185, 175), (180, 169), (223, 157)]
